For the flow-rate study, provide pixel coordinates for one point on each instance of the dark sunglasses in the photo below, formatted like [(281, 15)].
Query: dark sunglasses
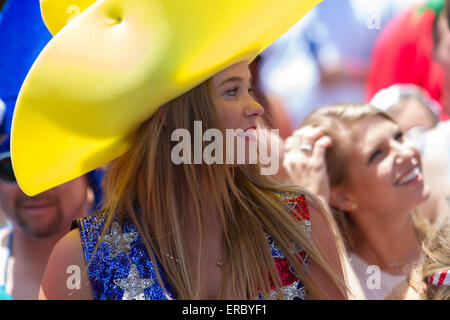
[(6, 169)]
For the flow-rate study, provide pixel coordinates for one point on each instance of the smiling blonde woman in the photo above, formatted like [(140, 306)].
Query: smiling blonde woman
[(356, 158)]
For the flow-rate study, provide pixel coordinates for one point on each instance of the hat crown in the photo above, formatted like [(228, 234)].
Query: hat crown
[(113, 63)]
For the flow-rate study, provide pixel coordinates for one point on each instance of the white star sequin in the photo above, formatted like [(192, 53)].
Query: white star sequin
[(291, 292), (133, 286), (118, 241)]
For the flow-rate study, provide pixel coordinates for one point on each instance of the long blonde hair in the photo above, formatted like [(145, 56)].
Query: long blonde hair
[(334, 120), (437, 259), (160, 198)]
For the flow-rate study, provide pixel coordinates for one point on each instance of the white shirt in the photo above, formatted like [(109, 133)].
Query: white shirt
[(375, 283)]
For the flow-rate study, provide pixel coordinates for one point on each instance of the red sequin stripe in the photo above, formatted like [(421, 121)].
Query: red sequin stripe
[(300, 208), (301, 212), (286, 276)]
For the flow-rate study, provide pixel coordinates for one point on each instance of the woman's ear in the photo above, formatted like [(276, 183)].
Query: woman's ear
[(90, 197), (341, 199)]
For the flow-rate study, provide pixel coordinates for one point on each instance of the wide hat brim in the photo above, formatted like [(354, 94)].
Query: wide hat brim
[(116, 61)]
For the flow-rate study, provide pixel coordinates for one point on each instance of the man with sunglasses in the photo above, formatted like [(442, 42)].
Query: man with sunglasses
[(35, 225)]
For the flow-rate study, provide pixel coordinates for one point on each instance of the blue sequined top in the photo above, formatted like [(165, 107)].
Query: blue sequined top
[(122, 269)]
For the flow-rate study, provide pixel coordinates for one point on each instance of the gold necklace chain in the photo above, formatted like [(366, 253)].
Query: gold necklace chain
[(219, 262)]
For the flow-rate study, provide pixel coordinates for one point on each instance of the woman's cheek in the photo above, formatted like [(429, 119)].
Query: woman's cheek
[(232, 117), (385, 173)]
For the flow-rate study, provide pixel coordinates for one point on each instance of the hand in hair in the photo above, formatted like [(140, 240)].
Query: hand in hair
[(304, 160)]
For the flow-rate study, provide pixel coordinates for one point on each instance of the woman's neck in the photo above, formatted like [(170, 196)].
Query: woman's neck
[(211, 254), (392, 244)]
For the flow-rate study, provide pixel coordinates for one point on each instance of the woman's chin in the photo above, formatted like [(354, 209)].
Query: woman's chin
[(423, 194)]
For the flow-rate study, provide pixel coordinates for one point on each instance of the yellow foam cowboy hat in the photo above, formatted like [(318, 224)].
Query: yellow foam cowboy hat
[(112, 63)]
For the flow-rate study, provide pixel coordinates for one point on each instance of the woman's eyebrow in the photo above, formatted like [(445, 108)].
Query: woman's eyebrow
[(231, 79)]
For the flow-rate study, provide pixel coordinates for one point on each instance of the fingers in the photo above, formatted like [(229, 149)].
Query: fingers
[(307, 167), (320, 147), (289, 143), (308, 134), (310, 140)]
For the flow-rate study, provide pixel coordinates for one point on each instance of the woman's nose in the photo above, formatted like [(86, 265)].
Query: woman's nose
[(254, 109), (404, 153)]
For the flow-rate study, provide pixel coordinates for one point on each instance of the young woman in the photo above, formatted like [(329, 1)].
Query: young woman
[(357, 159), (173, 226), (210, 228)]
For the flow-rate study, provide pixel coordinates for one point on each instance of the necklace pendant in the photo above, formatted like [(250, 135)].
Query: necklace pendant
[(219, 263)]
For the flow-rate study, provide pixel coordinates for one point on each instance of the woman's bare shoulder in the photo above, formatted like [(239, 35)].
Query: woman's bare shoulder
[(326, 241), (66, 274)]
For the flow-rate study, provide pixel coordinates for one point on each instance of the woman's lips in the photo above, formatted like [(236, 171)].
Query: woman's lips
[(411, 176), (250, 133)]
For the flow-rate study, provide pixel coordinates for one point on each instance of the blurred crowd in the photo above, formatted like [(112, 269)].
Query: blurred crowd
[(360, 91), (333, 74)]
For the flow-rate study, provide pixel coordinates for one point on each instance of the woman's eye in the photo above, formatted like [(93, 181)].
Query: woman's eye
[(399, 136), (232, 92), (375, 155), (252, 92)]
